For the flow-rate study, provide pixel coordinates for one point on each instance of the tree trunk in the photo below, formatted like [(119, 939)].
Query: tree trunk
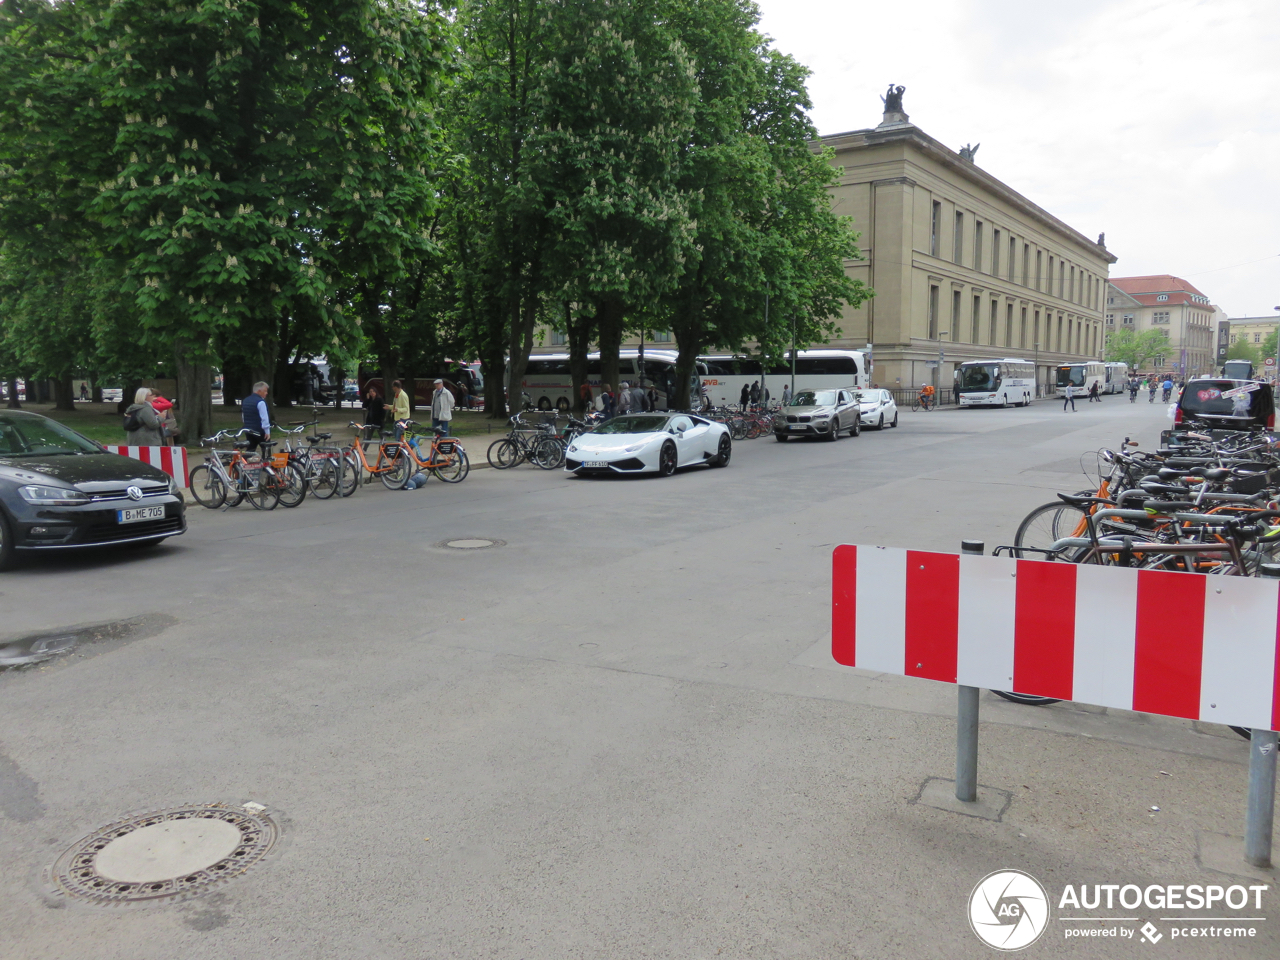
[(14, 403), (609, 316), (64, 397), (195, 399), (282, 375), (494, 367), (686, 366), (579, 336), (519, 347), (95, 388), (237, 381)]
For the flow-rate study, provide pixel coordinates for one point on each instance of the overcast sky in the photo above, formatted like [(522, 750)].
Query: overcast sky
[(1156, 122)]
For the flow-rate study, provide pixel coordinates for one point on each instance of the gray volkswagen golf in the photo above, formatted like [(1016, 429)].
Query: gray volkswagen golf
[(59, 490)]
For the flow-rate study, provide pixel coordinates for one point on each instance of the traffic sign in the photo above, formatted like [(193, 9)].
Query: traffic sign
[(1270, 361)]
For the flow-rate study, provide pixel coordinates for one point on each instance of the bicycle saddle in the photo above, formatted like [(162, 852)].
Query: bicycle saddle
[(319, 436), (1083, 501), (242, 444)]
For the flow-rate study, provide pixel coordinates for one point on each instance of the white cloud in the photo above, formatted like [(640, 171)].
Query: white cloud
[(1154, 120)]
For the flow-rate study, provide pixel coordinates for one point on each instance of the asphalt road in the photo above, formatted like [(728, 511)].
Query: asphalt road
[(620, 734)]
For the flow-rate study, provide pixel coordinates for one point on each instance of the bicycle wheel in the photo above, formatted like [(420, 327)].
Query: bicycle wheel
[(753, 429), (323, 478), (1026, 698), (1047, 524), (915, 404), (505, 453), (455, 468), (548, 453), (738, 428), (291, 485), (261, 492), (207, 487), (348, 475), (399, 471)]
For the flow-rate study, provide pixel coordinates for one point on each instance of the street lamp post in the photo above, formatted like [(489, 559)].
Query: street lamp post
[(937, 387), (1036, 365)]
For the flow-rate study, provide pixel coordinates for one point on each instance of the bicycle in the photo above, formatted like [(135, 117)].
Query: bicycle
[(542, 448), (229, 477), (923, 402), (321, 465), (393, 466), (445, 459)]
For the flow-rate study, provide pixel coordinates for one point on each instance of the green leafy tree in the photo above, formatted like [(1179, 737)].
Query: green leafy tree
[(1136, 349), (237, 160), (1240, 350)]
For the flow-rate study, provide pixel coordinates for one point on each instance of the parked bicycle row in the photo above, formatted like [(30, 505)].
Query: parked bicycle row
[(311, 464)]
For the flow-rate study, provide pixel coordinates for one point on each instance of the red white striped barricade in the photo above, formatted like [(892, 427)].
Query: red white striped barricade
[(1175, 644), (172, 460)]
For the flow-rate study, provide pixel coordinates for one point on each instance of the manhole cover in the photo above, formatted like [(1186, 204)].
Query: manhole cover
[(164, 855), (472, 543)]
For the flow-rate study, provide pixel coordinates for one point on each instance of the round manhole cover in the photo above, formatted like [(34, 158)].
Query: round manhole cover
[(164, 855), (471, 543)]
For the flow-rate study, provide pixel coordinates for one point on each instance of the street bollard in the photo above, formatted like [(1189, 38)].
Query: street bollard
[(1260, 811), (967, 719)]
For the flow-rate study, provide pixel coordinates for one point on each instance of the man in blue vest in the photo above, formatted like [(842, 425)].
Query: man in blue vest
[(255, 416)]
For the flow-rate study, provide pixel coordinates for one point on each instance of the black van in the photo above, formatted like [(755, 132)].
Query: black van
[(1222, 404)]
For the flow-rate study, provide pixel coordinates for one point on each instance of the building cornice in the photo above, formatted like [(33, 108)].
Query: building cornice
[(966, 169)]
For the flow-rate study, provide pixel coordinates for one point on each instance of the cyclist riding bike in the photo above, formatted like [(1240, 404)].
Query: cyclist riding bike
[(1133, 391), (926, 395)]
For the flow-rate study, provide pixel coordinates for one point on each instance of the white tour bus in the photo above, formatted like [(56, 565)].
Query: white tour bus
[(549, 384), (1117, 378), (1082, 377), (725, 376), (996, 383)]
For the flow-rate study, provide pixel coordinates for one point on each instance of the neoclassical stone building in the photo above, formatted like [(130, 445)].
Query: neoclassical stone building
[(960, 262)]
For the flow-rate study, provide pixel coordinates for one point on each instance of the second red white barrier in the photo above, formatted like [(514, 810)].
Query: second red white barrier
[(1176, 644)]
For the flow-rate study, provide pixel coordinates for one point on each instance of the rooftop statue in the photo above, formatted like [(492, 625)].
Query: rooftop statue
[(893, 99), (968, 150)]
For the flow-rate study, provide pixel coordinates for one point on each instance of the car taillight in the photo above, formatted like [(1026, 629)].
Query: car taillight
[(1177, 416)]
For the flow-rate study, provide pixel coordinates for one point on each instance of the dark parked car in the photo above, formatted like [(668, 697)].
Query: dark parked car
[(60, 490), (1219, 403)]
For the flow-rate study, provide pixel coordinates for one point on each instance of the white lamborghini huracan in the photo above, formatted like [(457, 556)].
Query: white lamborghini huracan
[(649, 442)]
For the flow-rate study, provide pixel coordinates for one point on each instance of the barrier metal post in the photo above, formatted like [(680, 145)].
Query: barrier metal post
[(1260, 810), (967, 719)]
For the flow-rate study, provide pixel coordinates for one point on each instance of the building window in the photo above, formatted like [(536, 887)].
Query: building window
[(1257, 338), (1071, 290), (1160, 316), (1022, 333), (1110, 301), (991, 324), (955, 315), (995, 253), (977, 245), (959, 238), (1111, 319), (661, 336), (1062, 277), (1162, 298), (933, 313), (1127, 318), (1038, 256), (1008, 325), (1233, 338), (1013, 254), (558, 339), (976, 320), (1026, 264), (936, 225)]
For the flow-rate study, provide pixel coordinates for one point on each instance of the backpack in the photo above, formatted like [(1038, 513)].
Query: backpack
[(132, 421)]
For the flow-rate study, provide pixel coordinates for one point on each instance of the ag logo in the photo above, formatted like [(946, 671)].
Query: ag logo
[(1008, 910)]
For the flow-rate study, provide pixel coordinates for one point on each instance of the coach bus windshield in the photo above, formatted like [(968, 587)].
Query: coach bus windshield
[(981, 376), (1073, 375)]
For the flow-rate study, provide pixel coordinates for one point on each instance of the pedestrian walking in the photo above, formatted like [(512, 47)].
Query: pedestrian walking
[(400, 408), (1093, 393), (745, 397), (606, 401), (639, 402), (141, 422), (464, 396), (623, 400), (786, 394), (255, 416), (441, 408), (1069, 397), (584, 394), (755, 393), (168, 419), (84, 390)]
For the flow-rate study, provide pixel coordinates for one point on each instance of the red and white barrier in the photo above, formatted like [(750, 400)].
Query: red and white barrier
[(1176, 644), (172, 460)]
